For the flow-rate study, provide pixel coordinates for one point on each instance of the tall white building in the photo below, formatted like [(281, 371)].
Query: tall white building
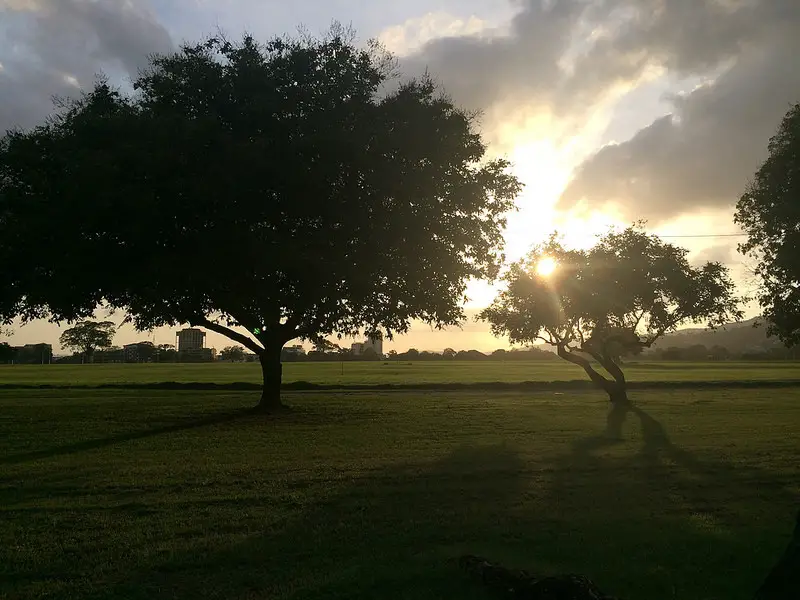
[(376, 343)]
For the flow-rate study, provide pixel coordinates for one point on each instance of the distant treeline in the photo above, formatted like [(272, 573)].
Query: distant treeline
[(699, 352), (291, 355)]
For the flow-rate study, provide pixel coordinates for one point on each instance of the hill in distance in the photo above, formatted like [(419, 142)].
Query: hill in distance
[(747, 336)]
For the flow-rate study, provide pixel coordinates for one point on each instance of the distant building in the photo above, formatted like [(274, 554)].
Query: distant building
[(110, 355), (191, 339), (139, 352), (198, 355), (296, 350), (33, 354), (375, 343)]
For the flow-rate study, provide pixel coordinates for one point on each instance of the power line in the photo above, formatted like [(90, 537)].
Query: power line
[(704, 235)]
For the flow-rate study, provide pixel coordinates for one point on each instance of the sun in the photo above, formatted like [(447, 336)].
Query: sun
[(546, 266)]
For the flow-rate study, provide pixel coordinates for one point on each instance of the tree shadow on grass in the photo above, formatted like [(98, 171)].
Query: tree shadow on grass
[(121, 438), (393, 534), (649, 522), (661, 522)]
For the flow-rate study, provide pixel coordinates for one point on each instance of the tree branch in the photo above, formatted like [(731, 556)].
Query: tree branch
[(245, 341)]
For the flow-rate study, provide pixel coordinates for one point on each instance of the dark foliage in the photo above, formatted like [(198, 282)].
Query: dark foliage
[(273, 187), (612, 300), (88, 336), (769, 212)]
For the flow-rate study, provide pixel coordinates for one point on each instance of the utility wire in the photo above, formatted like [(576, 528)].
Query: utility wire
[(704, 235)]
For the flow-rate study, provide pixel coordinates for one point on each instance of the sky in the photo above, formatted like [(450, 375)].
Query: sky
[(610, 110)]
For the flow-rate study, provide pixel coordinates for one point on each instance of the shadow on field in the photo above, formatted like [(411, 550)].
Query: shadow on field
[(394, 534), (86, 445), (653, 522), (662, 523)]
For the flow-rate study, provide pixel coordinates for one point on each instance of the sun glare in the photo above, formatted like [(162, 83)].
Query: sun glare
[(546, 266)]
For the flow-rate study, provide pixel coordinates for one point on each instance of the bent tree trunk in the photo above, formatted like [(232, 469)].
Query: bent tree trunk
[(617, 388), (618, 392), (272, 371)]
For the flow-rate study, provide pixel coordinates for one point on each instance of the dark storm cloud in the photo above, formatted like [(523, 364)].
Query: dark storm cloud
[(702, 155), (49, 46)]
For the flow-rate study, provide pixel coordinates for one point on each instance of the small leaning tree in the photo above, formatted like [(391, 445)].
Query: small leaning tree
[(611, 300), (265, 192)]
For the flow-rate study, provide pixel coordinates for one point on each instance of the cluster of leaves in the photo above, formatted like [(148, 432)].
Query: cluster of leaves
[(769, 212)]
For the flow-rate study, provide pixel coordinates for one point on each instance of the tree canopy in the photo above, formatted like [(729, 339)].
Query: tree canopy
[(232, 353), (88, 336), (294, 189), (769, 213), (615, 298)]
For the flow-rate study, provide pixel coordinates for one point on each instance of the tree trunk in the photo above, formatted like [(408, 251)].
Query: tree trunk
[(272, 371), (617, 413), (618, 393)]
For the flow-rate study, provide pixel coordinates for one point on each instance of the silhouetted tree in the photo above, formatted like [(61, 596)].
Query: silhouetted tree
[(449, 353), (718, 352), (279, 188), (87, 336), (232, 353), (167, 353), (696, 352), (6, 352), (769, 212), (619, 296)]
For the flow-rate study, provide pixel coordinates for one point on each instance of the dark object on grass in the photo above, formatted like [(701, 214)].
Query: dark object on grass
[(783, 581), (521, 585)]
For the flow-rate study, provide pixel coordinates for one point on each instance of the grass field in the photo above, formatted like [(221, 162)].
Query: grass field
[(371, 373), (130, 494)]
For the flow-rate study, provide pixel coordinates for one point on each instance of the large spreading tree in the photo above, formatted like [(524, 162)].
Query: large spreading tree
[(88, 336), (295, 189), (769, 212), (614, 299)]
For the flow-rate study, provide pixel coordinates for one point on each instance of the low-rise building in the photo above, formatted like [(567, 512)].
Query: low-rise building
[(197, 355), (139, 352), (33, 354)]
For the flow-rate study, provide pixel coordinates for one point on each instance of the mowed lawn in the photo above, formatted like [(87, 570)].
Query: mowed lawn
[(155, 494), (403, 373)]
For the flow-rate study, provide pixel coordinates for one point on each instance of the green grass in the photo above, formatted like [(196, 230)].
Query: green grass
[(129, 494), (395, 372)]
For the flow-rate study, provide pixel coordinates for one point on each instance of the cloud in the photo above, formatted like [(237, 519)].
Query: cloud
[(567, 55), (482, 69), (49, 46), (413, 34), (567, 63), (701, 155)]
